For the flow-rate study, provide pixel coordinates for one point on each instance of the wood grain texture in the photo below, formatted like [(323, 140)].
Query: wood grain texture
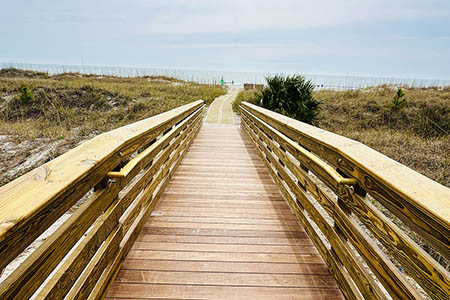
[(205, 239), (272, 141), (24, 281), (32, 202), (341, 250), (99, 232), (168, 168), (417, 200), (347, 286)]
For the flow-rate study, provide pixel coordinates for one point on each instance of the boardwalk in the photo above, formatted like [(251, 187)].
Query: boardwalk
[(223, 231), (220, 111)]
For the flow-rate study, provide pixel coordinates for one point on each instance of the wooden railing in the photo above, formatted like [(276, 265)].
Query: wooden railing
[(337, 187), (115, 196)]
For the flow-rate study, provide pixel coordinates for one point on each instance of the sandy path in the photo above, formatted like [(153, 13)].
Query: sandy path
[(220, 111)]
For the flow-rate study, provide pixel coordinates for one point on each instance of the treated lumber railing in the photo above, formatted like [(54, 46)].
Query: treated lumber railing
[(116, 195), (337, 188)]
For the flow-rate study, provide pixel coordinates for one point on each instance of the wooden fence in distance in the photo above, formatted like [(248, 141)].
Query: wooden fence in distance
[(119, 176), (336, 187)]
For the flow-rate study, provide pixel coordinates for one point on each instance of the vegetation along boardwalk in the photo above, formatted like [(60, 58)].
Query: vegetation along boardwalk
[(171, 208), (222, 230)]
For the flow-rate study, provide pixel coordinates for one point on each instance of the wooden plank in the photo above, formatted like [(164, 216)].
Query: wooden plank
[(237, 257), (224, 232), (180, 205), (228, 279), (226, 267), (67, 273), (255, 227), (228, 214), (290, 249), (216, 196), (419, 265), (125, 291), (84, 285), (279, 212), (224, 240), (29, 275), (243, 221)]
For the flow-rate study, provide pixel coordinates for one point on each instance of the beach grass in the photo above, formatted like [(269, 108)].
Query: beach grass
[(75, 105), (417, 135)]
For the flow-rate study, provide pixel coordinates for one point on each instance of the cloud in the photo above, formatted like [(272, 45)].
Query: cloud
[(200, 16), (366, 36), (204, 16)]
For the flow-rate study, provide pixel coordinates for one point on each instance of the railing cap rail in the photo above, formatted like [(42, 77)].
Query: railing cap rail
[(427, 194), (23, 197)]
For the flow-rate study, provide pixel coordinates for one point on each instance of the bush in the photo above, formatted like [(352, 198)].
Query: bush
[(291, 96), (399, 102), (25, 95)]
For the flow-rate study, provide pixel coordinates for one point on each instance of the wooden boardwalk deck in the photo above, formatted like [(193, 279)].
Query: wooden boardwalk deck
[(223, 231)]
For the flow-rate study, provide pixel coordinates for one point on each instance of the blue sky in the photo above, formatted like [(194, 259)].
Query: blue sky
[(396, 38)]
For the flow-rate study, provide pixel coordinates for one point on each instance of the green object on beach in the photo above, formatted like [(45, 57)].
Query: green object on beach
[(222, 82)]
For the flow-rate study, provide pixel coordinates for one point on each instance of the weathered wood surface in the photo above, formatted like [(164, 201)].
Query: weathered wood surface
[(280, 142), (222, 230)]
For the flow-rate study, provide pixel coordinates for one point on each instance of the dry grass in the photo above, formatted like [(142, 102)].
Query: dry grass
[(70, 105), (67, 109), (417, 136), (246, 95)]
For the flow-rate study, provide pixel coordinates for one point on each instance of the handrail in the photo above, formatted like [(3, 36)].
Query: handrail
[(143, 158), (417, 201), (313, 159), (90, 245)]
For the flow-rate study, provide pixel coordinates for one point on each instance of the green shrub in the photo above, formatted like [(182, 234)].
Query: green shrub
[(291, 96), (249, 96), (399, 102), (25, 95)]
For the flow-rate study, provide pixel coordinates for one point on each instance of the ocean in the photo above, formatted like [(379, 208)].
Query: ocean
[(204, 76)]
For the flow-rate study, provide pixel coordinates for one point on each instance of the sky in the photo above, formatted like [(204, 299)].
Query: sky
[(386, 38)]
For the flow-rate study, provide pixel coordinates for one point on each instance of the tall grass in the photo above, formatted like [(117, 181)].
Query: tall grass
[(76, 105), (417, 135)]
